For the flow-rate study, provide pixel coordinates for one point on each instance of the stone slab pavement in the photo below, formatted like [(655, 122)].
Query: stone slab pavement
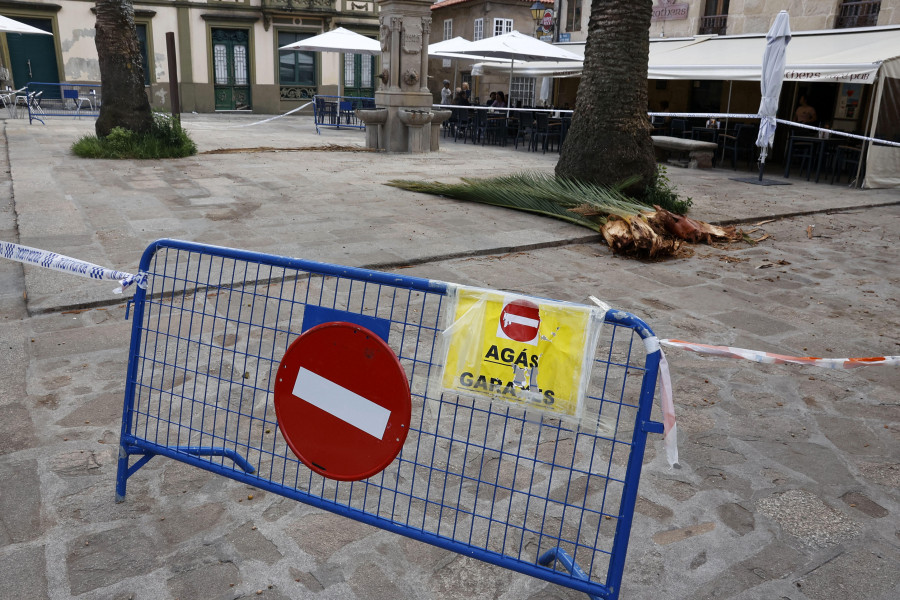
[(790, 475)]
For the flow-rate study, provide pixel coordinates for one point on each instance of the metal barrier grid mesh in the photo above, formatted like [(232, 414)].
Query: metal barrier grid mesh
[(64, 100), (503, 481)]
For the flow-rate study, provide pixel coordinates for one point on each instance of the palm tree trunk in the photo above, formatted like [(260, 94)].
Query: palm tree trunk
[(609, 139), (125, 103)]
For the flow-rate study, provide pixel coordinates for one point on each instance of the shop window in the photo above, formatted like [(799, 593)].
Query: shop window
[(715, 18), (295, 67), (858, 14)]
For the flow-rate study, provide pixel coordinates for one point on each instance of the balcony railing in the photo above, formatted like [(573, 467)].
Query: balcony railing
[(858, 14), (713, 25)]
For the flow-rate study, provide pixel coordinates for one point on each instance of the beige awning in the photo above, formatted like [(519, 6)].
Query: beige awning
[(835, 55), (851, 55)]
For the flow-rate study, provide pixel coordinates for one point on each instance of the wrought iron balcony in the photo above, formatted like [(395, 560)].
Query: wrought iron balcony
[(713, 25), (858, 14)]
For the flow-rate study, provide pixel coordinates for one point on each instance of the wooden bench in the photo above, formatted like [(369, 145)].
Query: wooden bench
[(692, 154)]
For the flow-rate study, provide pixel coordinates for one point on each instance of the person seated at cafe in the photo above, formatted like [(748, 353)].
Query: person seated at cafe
[(466, 91), (805, 113), (500, 102), (491, 99), (460, 98)]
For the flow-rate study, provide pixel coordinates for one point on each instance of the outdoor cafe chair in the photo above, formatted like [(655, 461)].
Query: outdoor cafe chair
[(741, 144), (802, 151), (22, 98), (545, 132), (463, 123), (346, 112), (495, 130), (8, 99), (524, 128), (846, 160), (678, 127)]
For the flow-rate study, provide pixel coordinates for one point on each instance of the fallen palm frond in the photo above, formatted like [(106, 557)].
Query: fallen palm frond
[(627, 226)]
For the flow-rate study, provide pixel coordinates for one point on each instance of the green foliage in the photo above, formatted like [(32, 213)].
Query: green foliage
[(578, 202), (166, 139), (661, 192)]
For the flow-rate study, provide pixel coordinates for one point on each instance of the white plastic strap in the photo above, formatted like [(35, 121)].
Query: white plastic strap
[(667, 402), (293, 110), (66, 264)]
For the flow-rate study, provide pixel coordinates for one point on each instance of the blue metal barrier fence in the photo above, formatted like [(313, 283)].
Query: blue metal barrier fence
[(339, 111), (73, 100), (509, 486)]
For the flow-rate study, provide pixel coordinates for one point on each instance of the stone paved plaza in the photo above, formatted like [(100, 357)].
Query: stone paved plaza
[(790, 478)]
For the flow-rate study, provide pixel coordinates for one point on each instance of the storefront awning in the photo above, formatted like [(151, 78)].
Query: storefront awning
[(848, 55)]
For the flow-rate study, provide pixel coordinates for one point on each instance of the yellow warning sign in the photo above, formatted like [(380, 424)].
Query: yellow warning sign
[(528, 351)]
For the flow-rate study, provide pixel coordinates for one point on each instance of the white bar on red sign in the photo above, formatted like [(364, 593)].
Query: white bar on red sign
[(508, 318), (340, 402)]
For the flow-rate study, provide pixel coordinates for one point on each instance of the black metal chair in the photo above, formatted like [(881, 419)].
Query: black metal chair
[(801, 151), (524, 128), (545, 132), (495, 130), (464, 124), (678, 127), (846, 160), (741, 144)]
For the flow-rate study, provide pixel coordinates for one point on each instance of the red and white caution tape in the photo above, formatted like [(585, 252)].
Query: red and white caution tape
[(781, 359), (666, 399)]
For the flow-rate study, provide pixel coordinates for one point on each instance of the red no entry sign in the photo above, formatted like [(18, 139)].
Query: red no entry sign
[(520, 320), (342, 401)]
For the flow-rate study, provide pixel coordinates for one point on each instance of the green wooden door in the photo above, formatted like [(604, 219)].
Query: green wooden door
[(231, 66), (359, 75), (32, 57)]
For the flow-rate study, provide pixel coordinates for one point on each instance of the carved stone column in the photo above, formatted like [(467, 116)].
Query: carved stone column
[(405, 32), (426, 37)]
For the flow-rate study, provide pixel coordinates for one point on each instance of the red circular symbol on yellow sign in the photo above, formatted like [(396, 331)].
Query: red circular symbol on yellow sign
[(520, 321), (342, 401)]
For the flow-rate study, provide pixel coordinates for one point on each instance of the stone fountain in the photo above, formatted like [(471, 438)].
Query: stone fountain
[(404, 120)]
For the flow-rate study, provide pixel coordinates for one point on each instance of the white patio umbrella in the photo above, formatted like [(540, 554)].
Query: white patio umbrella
[(770, 83), (338, 40), (8, 25), (513, 46)]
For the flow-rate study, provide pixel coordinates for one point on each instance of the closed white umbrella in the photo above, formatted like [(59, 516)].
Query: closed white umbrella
[(8, 25), (338, 40), (770, 83)]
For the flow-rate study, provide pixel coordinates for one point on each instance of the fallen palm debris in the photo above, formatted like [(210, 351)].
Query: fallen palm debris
[(627, 226)]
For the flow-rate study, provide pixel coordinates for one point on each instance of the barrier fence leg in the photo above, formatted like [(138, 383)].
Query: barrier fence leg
[(566, 561), (124, 472)]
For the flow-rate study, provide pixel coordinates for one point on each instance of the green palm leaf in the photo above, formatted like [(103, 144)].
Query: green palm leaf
[(538, 193)]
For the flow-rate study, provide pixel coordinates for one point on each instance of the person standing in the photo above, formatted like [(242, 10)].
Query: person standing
[(446, 93)]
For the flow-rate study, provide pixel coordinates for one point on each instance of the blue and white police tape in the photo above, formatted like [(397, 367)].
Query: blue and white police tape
[(67, 264)]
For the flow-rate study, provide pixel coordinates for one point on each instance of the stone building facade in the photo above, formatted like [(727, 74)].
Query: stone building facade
[(474, 20), (682, 18), (227, 50)]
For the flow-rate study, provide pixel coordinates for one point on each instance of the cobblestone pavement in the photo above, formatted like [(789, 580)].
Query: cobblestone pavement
[(790, 476)]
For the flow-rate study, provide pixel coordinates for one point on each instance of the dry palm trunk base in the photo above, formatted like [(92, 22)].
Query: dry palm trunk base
[(661, 233)]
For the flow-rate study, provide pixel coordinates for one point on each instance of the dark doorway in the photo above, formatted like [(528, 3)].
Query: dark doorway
[(32, 57)]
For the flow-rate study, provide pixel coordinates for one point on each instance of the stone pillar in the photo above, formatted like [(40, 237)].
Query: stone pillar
[(405, 31)]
